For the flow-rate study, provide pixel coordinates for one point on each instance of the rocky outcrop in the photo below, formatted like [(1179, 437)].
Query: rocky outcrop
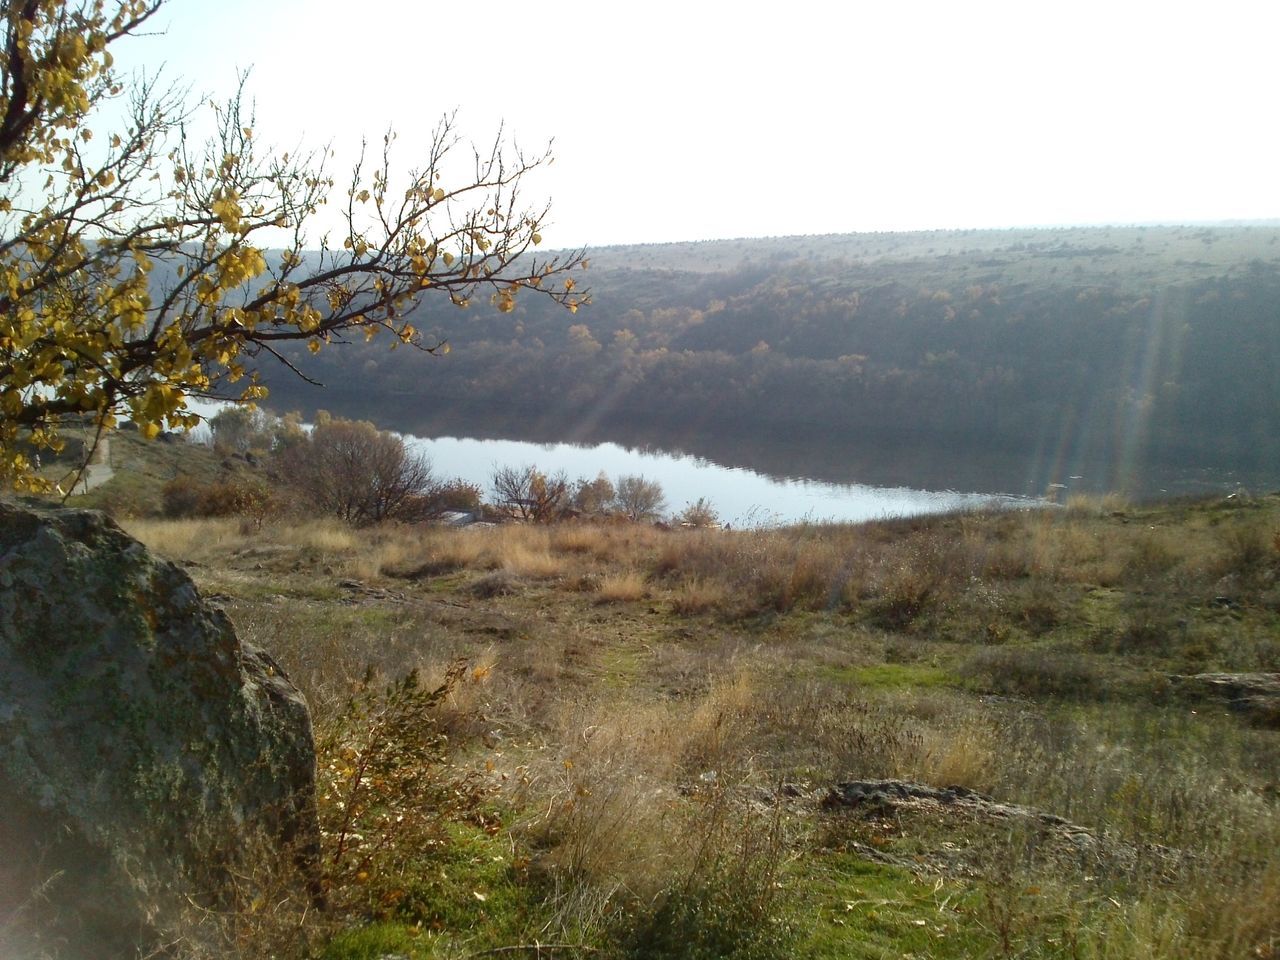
[(149, 761), (1255, 696)]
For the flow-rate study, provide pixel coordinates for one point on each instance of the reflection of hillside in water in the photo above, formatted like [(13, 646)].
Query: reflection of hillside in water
[(880, 461), (1058, 467), (933, 465)]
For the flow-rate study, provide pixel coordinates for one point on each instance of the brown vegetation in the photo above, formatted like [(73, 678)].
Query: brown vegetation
[(624, 763)]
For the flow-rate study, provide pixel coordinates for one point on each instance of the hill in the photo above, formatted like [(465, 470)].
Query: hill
[(1116, 352)]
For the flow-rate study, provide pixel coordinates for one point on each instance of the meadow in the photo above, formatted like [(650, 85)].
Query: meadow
[(615, 740)]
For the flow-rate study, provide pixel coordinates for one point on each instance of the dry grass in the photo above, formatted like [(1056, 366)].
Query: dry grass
[(325, 535), (530, 561), (1018, 654), (196, 539), (696, 596), (622, 587), (1094, 505)]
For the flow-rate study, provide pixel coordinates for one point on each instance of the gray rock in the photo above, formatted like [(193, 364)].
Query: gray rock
[(1255, 696), (147, 757)]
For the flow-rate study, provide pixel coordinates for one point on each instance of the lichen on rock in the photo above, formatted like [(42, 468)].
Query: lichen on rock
[(145, 752)]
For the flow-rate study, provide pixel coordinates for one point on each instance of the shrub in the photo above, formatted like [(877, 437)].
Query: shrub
[(454, 495), (638, 498), (353, 470), (383, 792), (593, 496), (184, 496), (700, 513), (530, 494)]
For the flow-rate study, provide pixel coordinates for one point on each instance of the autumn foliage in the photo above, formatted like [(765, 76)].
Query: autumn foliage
[(139, 269)]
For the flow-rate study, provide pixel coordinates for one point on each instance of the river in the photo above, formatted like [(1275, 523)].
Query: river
[(741, 497)]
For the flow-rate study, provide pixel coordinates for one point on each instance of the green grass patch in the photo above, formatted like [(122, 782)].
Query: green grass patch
[(891, 676), (466, 894), (854, 909)]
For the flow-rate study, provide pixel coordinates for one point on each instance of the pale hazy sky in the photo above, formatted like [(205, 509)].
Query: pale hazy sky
[(694, 120)]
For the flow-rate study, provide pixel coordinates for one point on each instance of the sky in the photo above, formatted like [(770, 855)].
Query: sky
[(701, 120)]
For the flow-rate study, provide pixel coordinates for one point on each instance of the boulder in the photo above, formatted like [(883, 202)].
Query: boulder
[(151, 765), (1254, 696)]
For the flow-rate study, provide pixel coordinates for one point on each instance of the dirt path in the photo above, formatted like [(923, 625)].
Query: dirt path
[(99, 470)]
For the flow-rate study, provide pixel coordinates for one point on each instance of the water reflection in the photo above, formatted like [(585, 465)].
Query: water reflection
[(742, 497)]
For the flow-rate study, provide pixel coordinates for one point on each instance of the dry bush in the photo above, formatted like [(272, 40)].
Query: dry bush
[(817, 578), (414, 553), (785, 570), (763, 569), (1039, 608), (902, 582), (1245, 549), (1057, 546), (936, 738), (521, 550), (714, 733), (609, 542), (434, 552), (961, 753), (496, 584)]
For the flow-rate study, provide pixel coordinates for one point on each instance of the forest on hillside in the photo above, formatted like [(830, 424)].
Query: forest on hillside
[(1118, 346)]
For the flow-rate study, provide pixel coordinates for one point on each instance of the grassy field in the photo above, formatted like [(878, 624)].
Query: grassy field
[(620, 741)]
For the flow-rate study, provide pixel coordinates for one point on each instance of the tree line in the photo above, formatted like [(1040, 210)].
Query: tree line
[(1162, 367)]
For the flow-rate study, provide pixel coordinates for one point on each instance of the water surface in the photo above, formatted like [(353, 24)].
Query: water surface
[(741, 497)]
